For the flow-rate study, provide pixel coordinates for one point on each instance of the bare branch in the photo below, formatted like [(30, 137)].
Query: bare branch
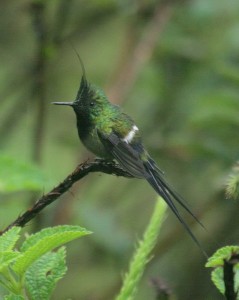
[(97, 165)]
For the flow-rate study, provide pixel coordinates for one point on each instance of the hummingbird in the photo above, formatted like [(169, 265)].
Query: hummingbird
[(111, 134)]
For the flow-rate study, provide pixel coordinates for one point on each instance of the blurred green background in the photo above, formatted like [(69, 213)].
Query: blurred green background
[(174, 67)]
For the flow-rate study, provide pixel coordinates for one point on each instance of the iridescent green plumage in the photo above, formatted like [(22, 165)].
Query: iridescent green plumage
[(111, 134)]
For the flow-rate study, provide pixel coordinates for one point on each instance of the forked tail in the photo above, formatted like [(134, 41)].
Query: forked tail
[(156, 180)]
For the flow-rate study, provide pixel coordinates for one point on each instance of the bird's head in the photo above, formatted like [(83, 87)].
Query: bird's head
[(90, 100)]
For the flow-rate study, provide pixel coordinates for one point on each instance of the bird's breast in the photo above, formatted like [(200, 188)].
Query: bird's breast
[(94, 144), (89, 137)]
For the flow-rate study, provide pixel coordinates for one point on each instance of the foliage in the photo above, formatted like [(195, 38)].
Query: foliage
[(143, 252), (232, 187), (217, 261), (50, 268), (171, 65), (34, 269)]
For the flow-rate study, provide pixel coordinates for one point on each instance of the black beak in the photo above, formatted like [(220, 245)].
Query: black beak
[(64, 103)]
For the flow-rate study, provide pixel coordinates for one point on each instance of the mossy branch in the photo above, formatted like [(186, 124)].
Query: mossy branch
[(82, 170)]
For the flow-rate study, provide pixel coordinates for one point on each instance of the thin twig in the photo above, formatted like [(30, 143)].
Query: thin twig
[(97, 165)]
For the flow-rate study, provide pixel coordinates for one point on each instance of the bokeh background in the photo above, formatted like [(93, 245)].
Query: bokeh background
[(174, 67)]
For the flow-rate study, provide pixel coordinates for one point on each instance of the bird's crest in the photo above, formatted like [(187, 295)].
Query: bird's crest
[(87, 90), (84, 85)]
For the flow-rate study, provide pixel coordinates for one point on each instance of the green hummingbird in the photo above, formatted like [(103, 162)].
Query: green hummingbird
[(111, 134)]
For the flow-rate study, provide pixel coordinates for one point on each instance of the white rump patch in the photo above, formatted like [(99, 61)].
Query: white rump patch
[(129, 137)]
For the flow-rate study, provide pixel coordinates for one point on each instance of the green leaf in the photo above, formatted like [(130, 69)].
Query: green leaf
[(9, 239), (217, 261), (62, 231), (7, 242), (6, 258), (232, 186), (42, 276), (217, 279), (44, 241), (220, 255), (16, 175)]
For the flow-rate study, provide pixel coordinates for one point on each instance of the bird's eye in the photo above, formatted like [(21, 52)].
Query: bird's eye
[(92, 103)]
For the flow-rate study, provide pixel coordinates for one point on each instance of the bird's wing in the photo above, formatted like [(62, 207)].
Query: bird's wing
[(124, 153), (138, 163)]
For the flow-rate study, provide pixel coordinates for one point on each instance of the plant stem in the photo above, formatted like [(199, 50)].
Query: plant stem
[(142, 254), (10, 283)]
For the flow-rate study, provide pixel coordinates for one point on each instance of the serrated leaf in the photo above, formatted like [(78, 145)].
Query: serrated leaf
[(9, 239), (44, 241), (16, 175), (220, 255), (6, 258), (50, 232), (217, 279), (236, 279), (42, 276), (232, 185), (217, 261)]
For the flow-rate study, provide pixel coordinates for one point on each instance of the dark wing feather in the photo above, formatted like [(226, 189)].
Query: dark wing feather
[(163, 189), (130, 157), (124, 154), (150, 165)]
